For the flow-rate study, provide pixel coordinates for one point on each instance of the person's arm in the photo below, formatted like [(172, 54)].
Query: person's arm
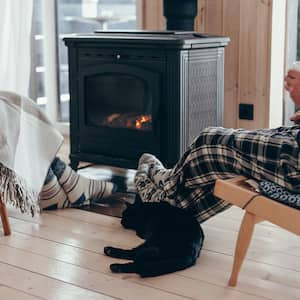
[(292, 85), (296, 117)]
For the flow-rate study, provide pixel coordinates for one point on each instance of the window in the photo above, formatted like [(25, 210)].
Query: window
[(72, 16), (86, 16), (37, 79), (292, 44)]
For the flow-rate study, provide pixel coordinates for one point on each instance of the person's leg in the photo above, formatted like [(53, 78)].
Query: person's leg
[(220, 153), (52, 195), (79, 189)]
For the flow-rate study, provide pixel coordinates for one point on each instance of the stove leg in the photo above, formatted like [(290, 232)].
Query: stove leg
[(74, 163)]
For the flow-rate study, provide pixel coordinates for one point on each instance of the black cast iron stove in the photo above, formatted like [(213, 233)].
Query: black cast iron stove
[(142, 91)]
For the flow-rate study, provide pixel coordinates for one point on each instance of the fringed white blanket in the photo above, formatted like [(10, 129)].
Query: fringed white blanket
[(28, 144)]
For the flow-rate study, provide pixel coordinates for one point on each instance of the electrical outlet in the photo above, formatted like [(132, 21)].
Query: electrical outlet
[(246, 111)]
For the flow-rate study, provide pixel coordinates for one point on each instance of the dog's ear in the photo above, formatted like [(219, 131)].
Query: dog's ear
[(138, 199)]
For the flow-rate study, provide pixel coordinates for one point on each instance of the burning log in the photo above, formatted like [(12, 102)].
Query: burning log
[(124, 120)]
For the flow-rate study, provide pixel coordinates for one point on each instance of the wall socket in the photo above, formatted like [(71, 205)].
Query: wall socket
[(246, 111)]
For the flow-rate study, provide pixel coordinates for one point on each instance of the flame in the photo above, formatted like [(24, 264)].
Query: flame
[(141, 120)]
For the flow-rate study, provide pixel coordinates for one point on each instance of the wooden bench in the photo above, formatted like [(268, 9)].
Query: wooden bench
[(4, 218), (257, 208)]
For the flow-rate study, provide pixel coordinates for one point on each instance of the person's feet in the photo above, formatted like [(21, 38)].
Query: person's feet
[(81, 190), (150, 178), (154, 169)]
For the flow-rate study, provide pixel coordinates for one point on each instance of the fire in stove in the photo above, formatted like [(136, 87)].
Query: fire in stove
[(142, 121), (124, 120)]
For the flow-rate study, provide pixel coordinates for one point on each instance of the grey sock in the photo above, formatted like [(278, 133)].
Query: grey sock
[(49, 176), (58, 167)]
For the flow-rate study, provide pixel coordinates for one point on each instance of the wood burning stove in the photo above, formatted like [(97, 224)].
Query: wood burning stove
[(142, 91)]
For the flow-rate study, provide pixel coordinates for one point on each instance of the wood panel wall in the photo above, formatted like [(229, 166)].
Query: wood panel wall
[(150, 14), (248, 23)]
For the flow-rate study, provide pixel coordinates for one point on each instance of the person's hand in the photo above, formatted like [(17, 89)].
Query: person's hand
[(296, 118), (292, 85)]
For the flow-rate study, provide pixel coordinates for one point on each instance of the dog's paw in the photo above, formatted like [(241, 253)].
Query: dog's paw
[(116, 268), (109, 251)]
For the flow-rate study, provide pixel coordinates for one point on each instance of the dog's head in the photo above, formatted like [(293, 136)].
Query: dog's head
[(132, 216)]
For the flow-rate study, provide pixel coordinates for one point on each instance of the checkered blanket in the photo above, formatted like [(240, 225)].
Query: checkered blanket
[(28, 144), (219, 153)]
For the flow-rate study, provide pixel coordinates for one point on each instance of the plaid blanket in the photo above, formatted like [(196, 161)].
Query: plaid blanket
[(219, 153), (28, 144)]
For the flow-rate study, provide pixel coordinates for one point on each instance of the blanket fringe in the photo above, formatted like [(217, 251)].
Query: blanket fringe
[(14, 191)]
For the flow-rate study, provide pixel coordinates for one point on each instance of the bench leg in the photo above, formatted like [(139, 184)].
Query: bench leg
[(4, 218), (242, 244)]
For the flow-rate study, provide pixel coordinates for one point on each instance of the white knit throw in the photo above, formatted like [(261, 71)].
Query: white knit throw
[(28, 144)]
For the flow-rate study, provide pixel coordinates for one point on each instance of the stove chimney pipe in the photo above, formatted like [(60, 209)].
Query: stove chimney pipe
[(180, 14)]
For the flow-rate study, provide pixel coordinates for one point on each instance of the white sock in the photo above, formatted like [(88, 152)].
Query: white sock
[(52, 195), (80, 189), (155, 169)]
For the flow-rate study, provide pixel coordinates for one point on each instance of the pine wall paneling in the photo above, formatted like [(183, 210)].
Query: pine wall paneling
[(248, 23)]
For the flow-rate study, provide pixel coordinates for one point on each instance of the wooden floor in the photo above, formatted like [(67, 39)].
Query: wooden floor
[(59, 255)]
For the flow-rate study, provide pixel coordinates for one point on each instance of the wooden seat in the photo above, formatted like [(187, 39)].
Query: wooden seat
[(4, 218), (257, 208)]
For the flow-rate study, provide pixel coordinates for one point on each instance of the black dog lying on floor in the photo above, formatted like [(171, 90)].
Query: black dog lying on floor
[(173, 239)]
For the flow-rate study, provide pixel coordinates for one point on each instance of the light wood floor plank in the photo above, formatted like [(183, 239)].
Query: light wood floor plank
[(76, 238), (266, 249), (87, 217), (93, 242), (43, 287), (86, 279), (96, 246), (269, 233), (236, 213), (12, 294), (207, 269), (230, 219), (229, 224), (260, 250), (255, 278), (118, 285), (110, 223), (86, 229), (272, 232)]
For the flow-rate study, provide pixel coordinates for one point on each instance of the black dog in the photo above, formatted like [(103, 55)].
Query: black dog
[(173, 240)]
